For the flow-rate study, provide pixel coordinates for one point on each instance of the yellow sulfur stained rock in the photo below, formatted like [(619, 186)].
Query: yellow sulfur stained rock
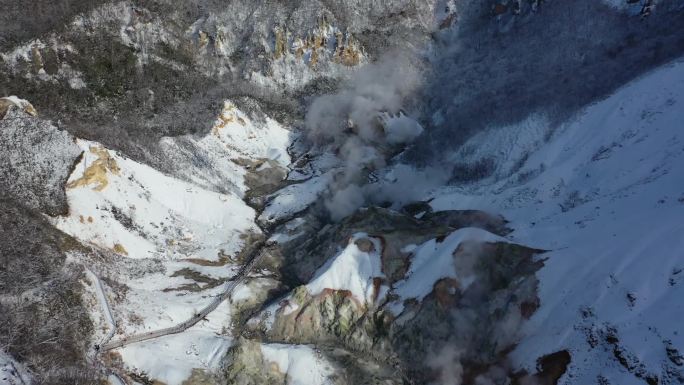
[(7, 102), (312, 48), (347, 51), (96, 173), (314, 58), (227, 116), (119, 249), (280, 43), (203, 39)]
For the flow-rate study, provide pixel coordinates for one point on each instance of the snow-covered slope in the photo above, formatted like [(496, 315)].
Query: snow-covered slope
[(220, 161), (300, 363), (605, 194), (172, 246), (355, 271), (352, 270), (221, 247), (137, 211), (12, 372)]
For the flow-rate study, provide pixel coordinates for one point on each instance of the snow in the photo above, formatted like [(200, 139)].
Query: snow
[(301, 363), (237, 131), (17, 101), (352, 270), (295, 198), (291, 70), (168, 217), (23, 104), (606, 195), (21, 53), (290, 231), (19, 56), (241, 293), (505, 147), (171, 359), (434, 260), (12, 372), (309, 183), (235, 135)]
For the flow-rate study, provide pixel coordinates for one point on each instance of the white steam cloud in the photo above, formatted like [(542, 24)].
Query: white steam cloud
[(448, 362), (362, 124)]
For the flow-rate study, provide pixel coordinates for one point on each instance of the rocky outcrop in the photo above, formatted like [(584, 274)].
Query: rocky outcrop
[(303, 255), (334, 303), (246, 365), (478, 322), (13, 101), (250, 362), (472, 294), (36, 159), (325, 42)]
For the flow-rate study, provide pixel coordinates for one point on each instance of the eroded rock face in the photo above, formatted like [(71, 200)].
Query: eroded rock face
[(471, 317), (36, 159), (303, 255), (251, 362), (479, 322), (13, 101), (246, 365)]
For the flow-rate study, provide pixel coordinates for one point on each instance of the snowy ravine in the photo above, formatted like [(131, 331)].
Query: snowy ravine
[(604, 193), (395, 192), (172, 247)]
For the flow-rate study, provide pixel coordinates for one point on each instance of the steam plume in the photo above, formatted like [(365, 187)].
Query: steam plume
[(362, 124)]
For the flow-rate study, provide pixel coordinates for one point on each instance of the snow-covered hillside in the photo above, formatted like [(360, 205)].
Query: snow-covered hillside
[(604, 193), (174, 245), (139, 212)]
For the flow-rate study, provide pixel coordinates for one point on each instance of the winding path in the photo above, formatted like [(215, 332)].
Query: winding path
[(107, 311), (183, 326)]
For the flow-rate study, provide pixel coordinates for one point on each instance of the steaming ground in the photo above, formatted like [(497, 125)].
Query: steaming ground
[(602, 193), (363, 124)]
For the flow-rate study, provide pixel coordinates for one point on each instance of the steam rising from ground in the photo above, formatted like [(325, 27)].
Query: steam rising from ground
[(486, 324), (363, 123), (447, 362)]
